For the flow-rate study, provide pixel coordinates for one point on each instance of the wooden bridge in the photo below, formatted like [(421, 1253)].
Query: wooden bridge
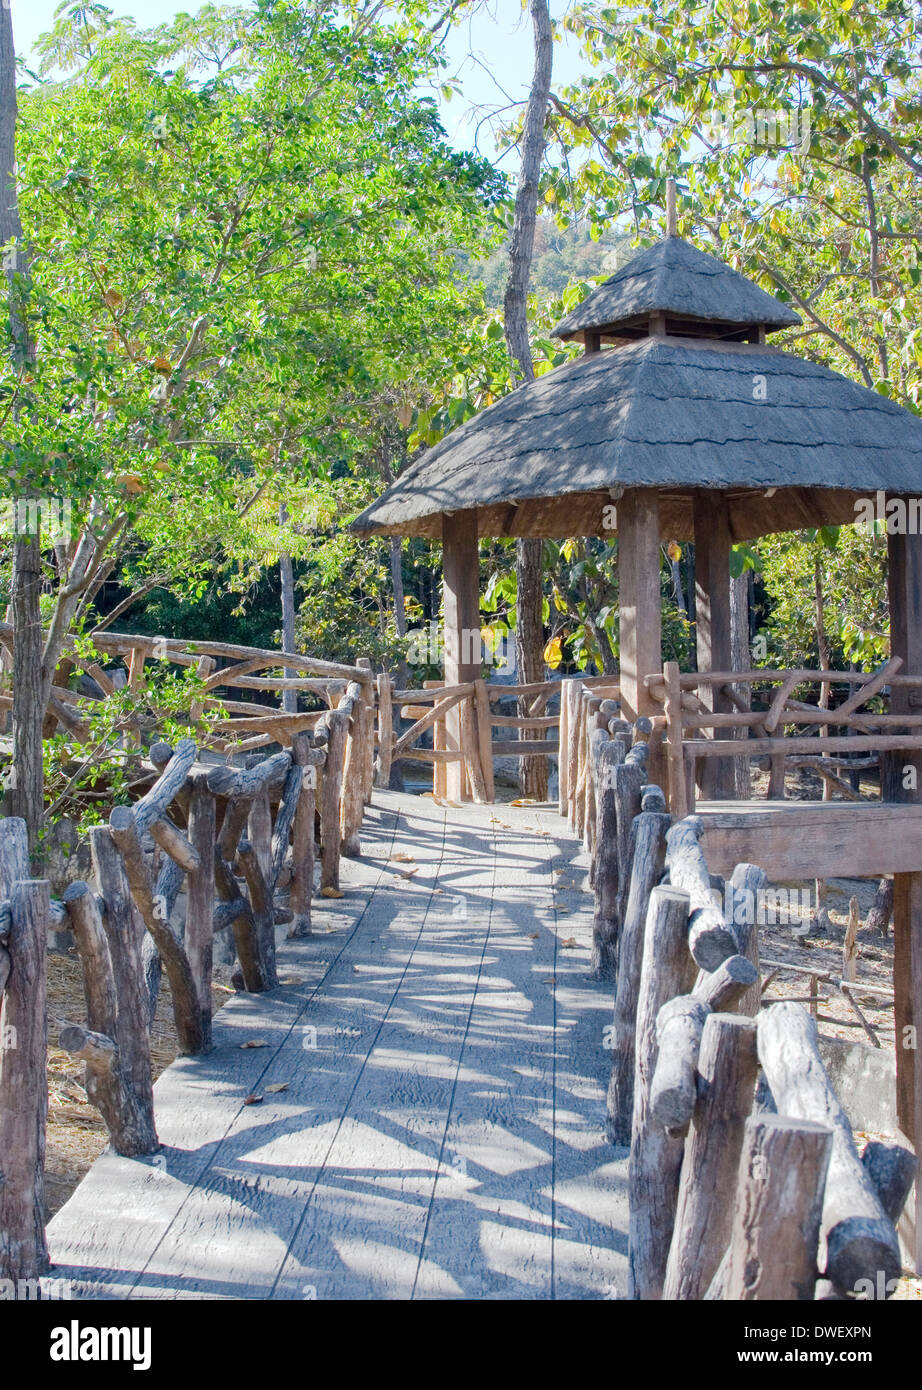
[(432, 1083)]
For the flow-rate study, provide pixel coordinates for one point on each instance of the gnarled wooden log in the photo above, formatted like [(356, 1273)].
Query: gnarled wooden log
[(722, 989), (744, 893), (154, 805), (655, 1157), (263, 914), (648, 837), (772, 1253), (128, 1116), (727, 1067), (892, 1169), (302, 834), (674, 1088), (23, 1088), (243, 783), (710, 939), (609, 755), (186, 1007), (858, 1238)]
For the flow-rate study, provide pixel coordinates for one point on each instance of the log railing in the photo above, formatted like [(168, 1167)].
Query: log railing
[(231, 837), (222, 666), (728, 1199), (694, 732), (479, 721)]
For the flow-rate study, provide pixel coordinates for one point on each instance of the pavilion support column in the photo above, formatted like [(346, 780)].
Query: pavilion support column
[(461, 616), (639, 613), (712, 629), (901, 780)]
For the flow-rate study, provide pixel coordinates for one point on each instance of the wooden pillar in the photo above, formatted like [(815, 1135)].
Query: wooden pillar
[(461, 614), (639, 598), (901, 780), (712, 610)]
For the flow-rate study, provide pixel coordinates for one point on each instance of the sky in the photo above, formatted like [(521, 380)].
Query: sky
[(491, 55)]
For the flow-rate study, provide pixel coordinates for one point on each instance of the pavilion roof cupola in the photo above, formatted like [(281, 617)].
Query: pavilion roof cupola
[(674, 290)]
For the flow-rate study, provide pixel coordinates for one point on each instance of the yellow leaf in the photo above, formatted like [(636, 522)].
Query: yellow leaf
[(674, 551), (553, 654), (330, 893), (254, 1042)]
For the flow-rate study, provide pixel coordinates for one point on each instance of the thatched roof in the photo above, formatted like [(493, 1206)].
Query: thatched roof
[(671, 413), (676, 278)]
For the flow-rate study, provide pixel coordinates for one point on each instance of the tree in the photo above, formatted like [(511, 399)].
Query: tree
[(221, 293), (529, 627)]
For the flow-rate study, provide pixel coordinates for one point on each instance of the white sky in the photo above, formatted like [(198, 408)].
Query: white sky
[(491, 54)]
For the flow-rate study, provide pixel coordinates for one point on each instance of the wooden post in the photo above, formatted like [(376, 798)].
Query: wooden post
[(199, 935), (485, 738), (128, 1116), (779, 1203), (302, 835), (656, 1159), (901, 780), (562, 750), (712, 608), (385, 730), (727, 1065), (675, 762), (639, 598), (649, 836), (461, 608), (606, 923), (23, 1085), (572, 688), (857, 1235)]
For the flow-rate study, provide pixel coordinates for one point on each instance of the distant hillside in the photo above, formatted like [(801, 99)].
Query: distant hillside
[(559, 258)]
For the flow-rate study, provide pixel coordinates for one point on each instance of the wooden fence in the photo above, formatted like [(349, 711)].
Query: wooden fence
[(233, 837), (478, 720), (729, 1199), (249, 724), (718, 722)]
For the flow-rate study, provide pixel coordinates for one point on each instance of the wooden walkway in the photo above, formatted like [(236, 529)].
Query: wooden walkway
[(442, 1130)]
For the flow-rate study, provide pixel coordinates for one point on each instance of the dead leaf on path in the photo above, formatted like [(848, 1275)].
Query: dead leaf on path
[(570, 941), (330, 893), (549, 980), (254, 1042), (400, 856), (278, 1086), (533, 935), (408, 873), (293, 980), (253, 1100), (524, 801)]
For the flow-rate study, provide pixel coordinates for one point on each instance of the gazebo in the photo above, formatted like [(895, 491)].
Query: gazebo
[(678, 421), (681, 421)]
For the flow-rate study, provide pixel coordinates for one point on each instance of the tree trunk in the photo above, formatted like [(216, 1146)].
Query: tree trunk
[(286, 575), (27, 781), (529, 640)]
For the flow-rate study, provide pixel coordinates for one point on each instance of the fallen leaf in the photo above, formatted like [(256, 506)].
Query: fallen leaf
[(408, 873), (330, 893), (533, 935), (293, 980), (278, 1086), (570, 941), (252, 1100), (549, 980), (255, 1042), (524, 801), (400, 856)]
